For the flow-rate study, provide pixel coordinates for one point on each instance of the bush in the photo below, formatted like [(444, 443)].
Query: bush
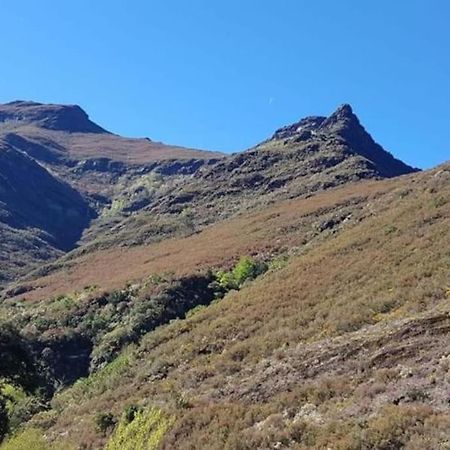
[(104, 421), (246, 269), (130, 413), (144, 432)]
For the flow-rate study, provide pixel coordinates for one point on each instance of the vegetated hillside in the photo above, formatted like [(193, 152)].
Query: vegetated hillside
[(143, 192), (65, 132), (287, 226), (41, 145), (314, 154), (93, 160), (343, 345)]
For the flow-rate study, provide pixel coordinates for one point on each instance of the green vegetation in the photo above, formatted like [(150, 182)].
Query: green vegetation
[(18, 375), (104, 421), (32, 439), (145, 431), (246, 269)]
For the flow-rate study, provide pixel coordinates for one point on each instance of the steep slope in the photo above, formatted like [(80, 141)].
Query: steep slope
[(64, 139), (321, 353), (146, 203), (271, 231), (291, 296), (40, 216)]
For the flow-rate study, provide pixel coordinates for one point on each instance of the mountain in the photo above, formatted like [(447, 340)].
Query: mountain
[(143, 192), (293, 295), (40, 216), (58, 171), (341, 343), (344, 124), (290, 164)]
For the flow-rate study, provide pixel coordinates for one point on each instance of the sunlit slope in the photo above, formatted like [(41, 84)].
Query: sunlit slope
[(345, 347)]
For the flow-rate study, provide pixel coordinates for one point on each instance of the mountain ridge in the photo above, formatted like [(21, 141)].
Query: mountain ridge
[(138, 203), (293, 295)]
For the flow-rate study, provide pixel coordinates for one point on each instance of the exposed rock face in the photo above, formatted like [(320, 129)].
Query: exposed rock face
[(306, 124), (70, 118), (312, 154)]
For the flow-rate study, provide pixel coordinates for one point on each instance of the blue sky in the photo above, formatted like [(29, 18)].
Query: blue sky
[(224, 75)]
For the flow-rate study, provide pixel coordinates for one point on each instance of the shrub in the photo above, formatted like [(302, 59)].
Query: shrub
[(130, 413), (104, 421), (246, 269), (144, 432), (226, 280)]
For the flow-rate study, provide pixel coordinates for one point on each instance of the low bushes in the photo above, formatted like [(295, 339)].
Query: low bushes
[(145, 431), (247, 268)]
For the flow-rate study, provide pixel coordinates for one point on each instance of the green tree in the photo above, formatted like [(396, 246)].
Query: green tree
[(17, 368), (248, 269)]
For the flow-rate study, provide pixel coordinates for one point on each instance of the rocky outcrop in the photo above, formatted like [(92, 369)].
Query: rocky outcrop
[(344, 124)]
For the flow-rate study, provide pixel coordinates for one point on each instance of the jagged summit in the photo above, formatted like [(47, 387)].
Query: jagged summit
[(69, 118), (343, 126)]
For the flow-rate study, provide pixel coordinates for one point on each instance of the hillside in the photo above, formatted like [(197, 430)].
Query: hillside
[(318, 352), (290, 164), (58, 166), (143, 204), (294, 295), (40, 216)]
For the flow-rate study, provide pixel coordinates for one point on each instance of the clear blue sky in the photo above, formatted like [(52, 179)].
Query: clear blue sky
[(224, 74)]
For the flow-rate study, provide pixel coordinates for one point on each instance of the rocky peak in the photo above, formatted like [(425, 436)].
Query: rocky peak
[(70, 118), (341, 121), (344, 125)]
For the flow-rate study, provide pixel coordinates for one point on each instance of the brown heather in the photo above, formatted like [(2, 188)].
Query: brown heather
[(346, 347), (289, 225)]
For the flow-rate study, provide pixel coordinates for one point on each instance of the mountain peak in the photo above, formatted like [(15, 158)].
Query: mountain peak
[(70, 118), (344, 124), (342, 117), (344, 110)]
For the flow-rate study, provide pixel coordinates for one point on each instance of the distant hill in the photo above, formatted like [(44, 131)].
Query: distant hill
[(137, 188), (57, 172)]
